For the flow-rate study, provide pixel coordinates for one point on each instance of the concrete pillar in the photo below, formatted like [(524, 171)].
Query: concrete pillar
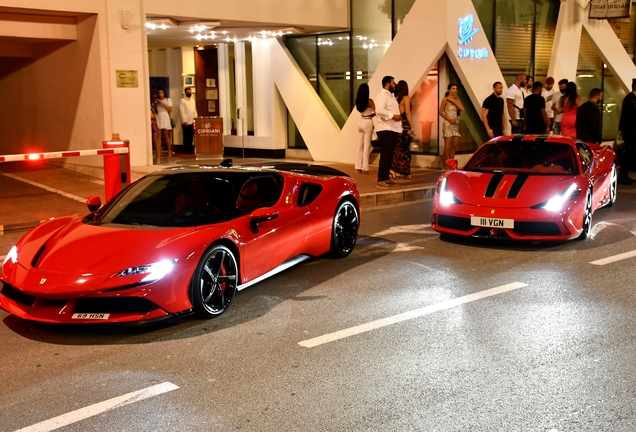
[(126, 50)]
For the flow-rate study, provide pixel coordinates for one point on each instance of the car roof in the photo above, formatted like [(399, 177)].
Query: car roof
[(251, 170)]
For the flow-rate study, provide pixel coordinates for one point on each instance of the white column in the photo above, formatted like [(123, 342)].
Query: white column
[(225, 106), (240, 84), (263, 88)]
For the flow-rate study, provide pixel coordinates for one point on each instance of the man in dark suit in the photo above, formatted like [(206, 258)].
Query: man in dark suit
[(588, 118), (627, 126)]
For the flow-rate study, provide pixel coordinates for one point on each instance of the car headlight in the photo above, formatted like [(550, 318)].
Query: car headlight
[(554, 204), (153, 271), (446, 197), (12, 255)]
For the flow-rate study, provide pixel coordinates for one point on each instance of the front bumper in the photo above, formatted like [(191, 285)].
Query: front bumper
[(529, 224)]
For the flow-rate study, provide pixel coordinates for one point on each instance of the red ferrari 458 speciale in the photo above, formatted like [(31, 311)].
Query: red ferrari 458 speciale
[(526, 187), (179, 241)]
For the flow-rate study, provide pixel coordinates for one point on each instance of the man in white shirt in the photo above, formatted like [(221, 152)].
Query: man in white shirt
[(187, 111), (388, 128), (555, 106), (548, 94), (514, 100)]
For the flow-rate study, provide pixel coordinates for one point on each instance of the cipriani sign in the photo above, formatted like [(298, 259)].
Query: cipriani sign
[(466, 31)]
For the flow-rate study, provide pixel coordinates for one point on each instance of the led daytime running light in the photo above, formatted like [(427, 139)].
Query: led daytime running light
[(12, 255), (555, 204), (153, 271)]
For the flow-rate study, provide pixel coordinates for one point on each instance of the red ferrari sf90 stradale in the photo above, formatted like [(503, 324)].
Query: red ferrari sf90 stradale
[(526, 187), (179, 241)]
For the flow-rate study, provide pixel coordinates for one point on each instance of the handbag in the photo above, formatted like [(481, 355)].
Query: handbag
[(619, 143)]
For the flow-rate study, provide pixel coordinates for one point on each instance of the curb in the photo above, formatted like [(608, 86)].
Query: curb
[(374, 199), (18, 226)]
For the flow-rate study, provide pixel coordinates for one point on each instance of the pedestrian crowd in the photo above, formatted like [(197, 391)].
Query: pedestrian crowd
[(533, 108)]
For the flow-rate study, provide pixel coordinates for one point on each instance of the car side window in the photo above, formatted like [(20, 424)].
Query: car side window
[(262, 191), (307, 193), (586, 156)]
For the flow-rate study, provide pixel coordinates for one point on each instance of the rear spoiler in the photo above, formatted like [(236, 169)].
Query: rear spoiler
[(318, 170), (302, 168)]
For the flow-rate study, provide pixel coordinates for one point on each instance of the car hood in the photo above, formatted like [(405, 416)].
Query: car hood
[(80, 248), (506, 190)]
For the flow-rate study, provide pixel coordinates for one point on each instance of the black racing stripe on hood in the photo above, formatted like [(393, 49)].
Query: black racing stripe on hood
[(493, 185), (517, 185)]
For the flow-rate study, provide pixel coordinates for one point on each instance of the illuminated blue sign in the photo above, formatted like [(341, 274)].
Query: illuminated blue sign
[(466, 31)]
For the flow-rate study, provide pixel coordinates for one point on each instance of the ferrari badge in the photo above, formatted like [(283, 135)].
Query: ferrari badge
[(42, 281)]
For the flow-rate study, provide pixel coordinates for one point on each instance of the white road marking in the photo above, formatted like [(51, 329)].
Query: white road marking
[(45, 187), (614, 258), (395, 247), (363, 328), (410, 229), (99, 408)]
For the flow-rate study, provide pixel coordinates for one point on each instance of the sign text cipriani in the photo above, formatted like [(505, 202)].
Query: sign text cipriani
[(466, 31)]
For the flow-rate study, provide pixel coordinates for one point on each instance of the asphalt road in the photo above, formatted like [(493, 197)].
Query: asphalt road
[(551, 348)]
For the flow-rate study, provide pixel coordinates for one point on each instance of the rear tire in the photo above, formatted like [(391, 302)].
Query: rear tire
[(344, 229), (587, 217), (214, 282)]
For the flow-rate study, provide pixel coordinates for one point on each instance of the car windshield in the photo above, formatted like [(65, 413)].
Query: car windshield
[(548, 158), (173, 200)]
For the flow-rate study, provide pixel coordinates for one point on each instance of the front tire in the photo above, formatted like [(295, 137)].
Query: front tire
[(587, 217), (214, 282), (344, 229), (613, 187)]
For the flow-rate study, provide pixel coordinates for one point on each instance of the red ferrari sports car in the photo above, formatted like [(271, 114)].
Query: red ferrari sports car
[(526, 187), (179, 241)]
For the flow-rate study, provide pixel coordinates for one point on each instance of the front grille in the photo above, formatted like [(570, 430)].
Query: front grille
[(129, 305), (537, 229), (16, 295), (454, 222)]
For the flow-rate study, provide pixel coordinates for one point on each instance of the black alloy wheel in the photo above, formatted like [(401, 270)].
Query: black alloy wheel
[(344, 231), (214, 282), (587, 216), (613, 187)]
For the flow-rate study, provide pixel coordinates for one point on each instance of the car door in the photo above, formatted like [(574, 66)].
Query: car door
[(589, 165), (271, 228)]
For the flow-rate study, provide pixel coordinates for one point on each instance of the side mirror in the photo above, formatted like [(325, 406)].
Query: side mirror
[(261, 215), (93, 203), (452, 164)]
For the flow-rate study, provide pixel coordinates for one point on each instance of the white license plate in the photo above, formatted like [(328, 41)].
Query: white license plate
[(91, 316), (492, 222)]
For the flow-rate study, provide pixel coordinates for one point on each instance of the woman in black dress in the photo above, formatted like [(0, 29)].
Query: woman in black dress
[(401, 164)]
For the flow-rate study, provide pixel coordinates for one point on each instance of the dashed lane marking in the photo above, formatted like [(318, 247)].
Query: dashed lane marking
[(45, 187), (614, 258), (100, 408), (384, 322)]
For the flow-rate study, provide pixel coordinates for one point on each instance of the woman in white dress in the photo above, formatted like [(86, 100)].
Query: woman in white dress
[(164, 108), (366, 107)]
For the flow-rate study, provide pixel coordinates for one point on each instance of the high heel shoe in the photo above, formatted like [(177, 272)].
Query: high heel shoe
[(408, 177), (394, 175)]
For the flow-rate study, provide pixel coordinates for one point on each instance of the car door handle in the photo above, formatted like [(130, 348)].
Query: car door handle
[(255, 220)]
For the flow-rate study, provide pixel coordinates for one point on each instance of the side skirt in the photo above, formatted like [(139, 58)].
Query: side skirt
[(284, 266)]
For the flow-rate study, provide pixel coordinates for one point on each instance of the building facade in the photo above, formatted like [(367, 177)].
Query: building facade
[(283, 74)]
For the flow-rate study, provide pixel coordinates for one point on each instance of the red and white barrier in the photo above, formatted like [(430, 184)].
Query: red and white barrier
[(64, 154), (116, 162)]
